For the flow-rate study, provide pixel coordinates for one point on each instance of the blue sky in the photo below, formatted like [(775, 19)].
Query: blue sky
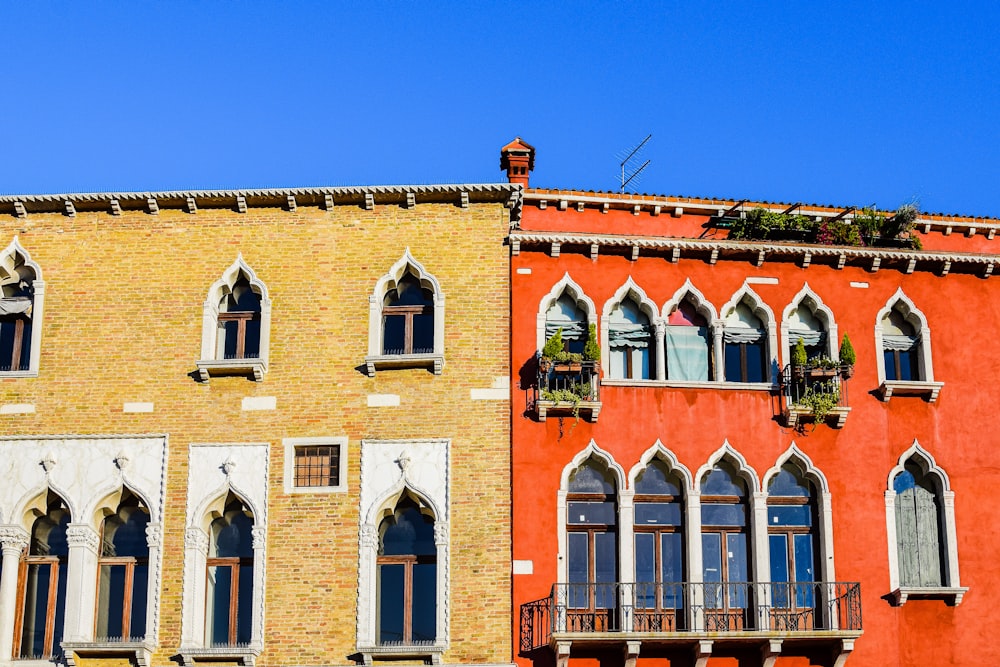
[(834, 103)]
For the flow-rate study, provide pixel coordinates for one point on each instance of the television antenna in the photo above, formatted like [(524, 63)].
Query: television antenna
[(629, 171)]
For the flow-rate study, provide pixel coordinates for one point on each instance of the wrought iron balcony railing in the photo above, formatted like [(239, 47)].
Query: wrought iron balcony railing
[(691, 608), (814, 391), (567, 387)]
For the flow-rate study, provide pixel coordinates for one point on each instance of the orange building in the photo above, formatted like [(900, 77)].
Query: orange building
[(705, 474)]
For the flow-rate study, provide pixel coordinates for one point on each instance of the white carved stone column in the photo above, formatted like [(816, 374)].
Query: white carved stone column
[(367, 549), (626, 554), (441, 542), (718, 350), (660, 331), (195, 564), (153, 532), (14, 539), (760, 559), (692, 540), (259, 536), (81, 582)]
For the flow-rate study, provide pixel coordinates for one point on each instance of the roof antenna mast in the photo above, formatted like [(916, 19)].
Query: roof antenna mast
[(629, 170)]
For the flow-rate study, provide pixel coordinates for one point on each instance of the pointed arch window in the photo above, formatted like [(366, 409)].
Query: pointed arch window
[(900, 347), (725, 548), (688, 344), (592, 543), (42, 588), (407, 577), (805, 325), (792, 525), (406, 319), (123, 573), (566, 315), (659, 549), (229, 591), (746, 353), (631, 342), (22, 294), (904, 340), (236, 325)]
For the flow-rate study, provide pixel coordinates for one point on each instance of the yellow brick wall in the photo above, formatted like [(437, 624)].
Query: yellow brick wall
[(122, 323)]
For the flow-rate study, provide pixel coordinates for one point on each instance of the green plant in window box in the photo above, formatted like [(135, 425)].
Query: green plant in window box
[(574, 394), (820, 399), (799, 359), (591, 350), (847, 358), (822, 367)]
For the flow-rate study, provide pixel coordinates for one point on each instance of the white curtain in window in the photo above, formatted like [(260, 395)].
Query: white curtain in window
[(628, 335), (571, 330), (742, 335), (687, 353), (15, 306), (810, 337), (901, 343)]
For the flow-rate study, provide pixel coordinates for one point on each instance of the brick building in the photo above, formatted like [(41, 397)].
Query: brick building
[(263, 427), (701, 477)]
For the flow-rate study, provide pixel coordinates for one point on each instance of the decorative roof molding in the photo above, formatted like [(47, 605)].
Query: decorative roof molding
[(838, 256)]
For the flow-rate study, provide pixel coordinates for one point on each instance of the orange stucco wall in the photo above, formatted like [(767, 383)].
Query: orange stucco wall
[(964, 319)]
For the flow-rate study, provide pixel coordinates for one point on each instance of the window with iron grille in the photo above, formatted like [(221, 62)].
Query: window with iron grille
[(315, 465)]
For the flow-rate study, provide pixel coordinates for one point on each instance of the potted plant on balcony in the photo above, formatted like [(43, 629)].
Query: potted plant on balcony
[(799, 360), (822, 368), (847, 358), (591, 350), (820, 399)]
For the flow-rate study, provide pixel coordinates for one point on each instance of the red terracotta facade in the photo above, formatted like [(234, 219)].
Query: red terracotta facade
[(596, 243)]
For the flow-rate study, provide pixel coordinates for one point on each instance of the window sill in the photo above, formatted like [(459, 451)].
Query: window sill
[(561, 408), (928, 390), (794, 415), (389, 361), (137, 652), (210, 367), (18, 374), (431, 653), (952, 595), (240, 655), (688, 384)]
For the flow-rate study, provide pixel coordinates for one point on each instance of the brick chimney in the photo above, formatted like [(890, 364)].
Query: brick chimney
[(518, 158)]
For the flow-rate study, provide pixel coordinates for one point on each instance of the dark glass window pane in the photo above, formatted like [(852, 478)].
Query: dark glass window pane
[(26, 345), (711, 556), (412, 534), (423, 333), (111, 600), (605, 569), (6, 344), (140, 586), (779, 557), (231, 330), (579, 569), (645, 557), (128, 538), (424, 610), (733, 363), (244, 605), (889, 359), (585, 512), (654, 480), (904, 481), (251, 344), (588, 479), (737, 565), (36, 600), (908, 365), (233, 539), (756, 366), (672, 570), (220, 581), (658, 514), (722, 480), (804, 573), (789, 515), (787, 484), (723, 515), (390, 603), (394, 335)]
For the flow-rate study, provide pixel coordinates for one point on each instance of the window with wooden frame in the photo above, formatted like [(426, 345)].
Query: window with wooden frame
[(745, 339), (659, 550), (123, 573), (900, 347), (631, 342), (408, 318), (239, 323), (592, 542), (792, 520), (41, 608), (317, 465), (229, 596), (919, 534), (725, 548), (688, 343), (17, 300), (407, 577)]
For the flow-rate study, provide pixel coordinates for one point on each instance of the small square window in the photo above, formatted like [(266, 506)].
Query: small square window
[(318, 465), (315, 465)]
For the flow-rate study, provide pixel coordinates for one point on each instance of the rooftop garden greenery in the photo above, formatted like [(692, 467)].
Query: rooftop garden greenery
[(870, 227)]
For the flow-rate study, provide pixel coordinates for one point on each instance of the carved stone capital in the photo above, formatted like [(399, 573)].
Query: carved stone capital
[(440, 534), (258, 537), (153, 535), (195, 538), (14, 537), (369, 537), (82, 535)]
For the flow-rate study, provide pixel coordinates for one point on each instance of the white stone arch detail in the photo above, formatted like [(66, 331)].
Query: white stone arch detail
[(764, 313), (760, 566), (916, 318), (616, 470), (824, 504), (210, 321), (9, 273), (661, 452), (952, 586), (34, 505), (387, 503), (646, 306), (821, 311), (405, 264), (568, 286)]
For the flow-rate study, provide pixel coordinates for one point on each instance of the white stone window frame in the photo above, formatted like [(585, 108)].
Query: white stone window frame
[(704, 308), (292, 444), (646, 305), (808, 298), (8, 261), (565, 285), (90, 474), (210, 364), (390, 469), (214, 471), (376, 360), (926, 386), (763, 312), (953, 591)]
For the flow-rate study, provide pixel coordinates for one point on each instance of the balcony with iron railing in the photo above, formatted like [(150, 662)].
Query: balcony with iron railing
[(567, 388), (817, 393), (737, 615)]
